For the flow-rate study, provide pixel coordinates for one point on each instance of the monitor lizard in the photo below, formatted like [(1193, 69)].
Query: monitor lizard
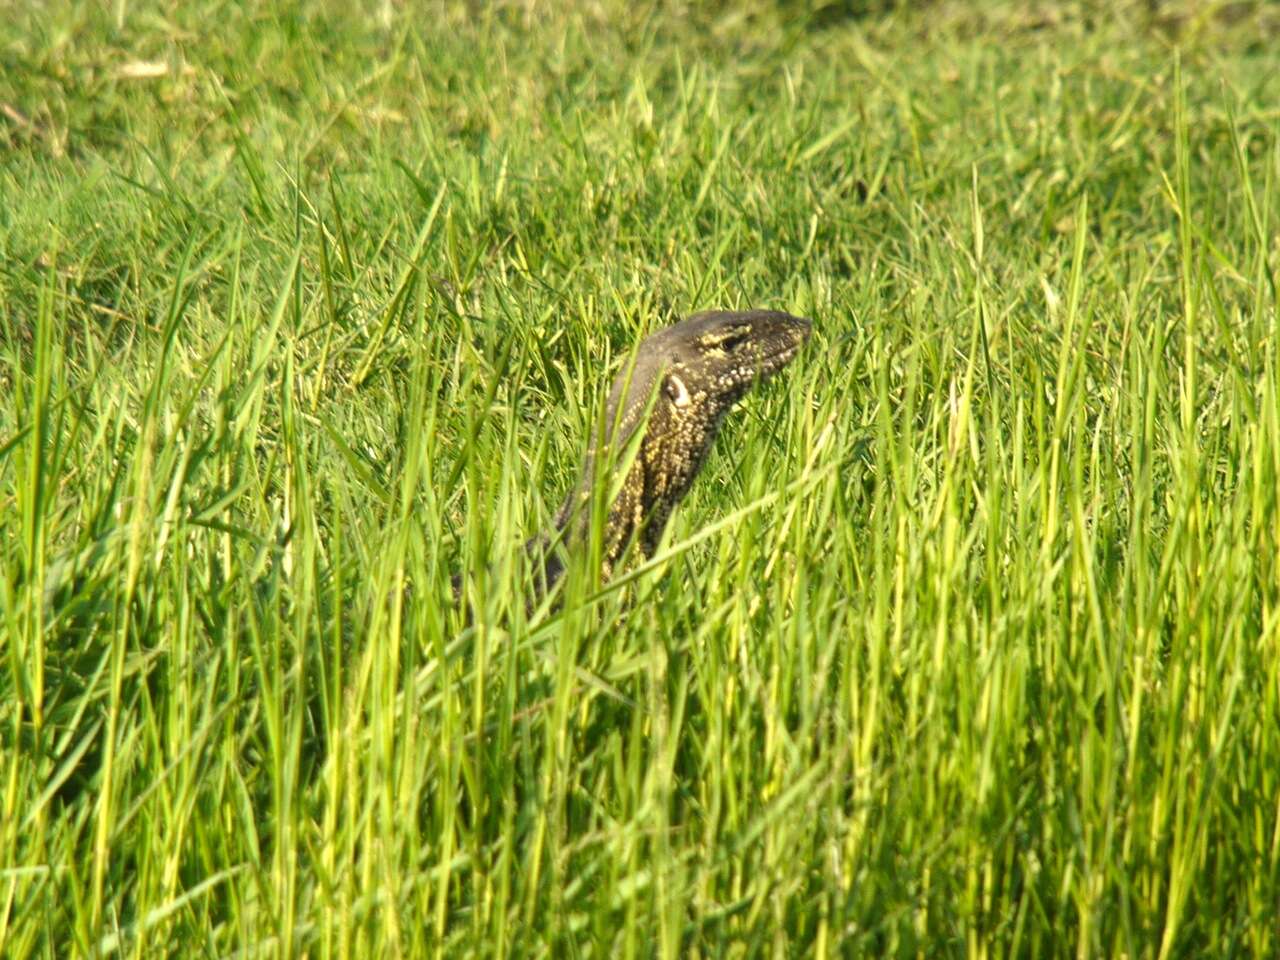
[(683, 381)]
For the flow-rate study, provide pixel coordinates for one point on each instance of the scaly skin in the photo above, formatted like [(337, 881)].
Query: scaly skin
[(688, 376)]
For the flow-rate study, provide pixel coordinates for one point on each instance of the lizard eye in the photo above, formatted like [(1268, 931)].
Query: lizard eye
[(725, 341)]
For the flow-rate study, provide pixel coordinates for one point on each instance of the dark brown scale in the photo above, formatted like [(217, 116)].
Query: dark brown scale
[(693, 372)]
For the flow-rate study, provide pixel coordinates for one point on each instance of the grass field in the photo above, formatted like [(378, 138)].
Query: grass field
[(966, 642)]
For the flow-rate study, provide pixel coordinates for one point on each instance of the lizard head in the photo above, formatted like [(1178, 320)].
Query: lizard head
[(678, 387), (701, 366), (715, 357)]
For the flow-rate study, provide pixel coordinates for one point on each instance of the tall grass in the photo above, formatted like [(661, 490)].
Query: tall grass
[(965, 642)]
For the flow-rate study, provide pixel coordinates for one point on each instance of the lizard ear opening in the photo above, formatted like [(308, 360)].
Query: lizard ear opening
[(677, 392)]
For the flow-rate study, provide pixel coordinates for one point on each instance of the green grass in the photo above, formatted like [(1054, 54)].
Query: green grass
[(966, 642)]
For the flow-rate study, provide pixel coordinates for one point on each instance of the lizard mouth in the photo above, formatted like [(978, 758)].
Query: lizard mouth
[(771, 363), (777, 358)]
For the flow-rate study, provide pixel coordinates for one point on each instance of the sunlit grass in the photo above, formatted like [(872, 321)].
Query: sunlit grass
[(965, 641)]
